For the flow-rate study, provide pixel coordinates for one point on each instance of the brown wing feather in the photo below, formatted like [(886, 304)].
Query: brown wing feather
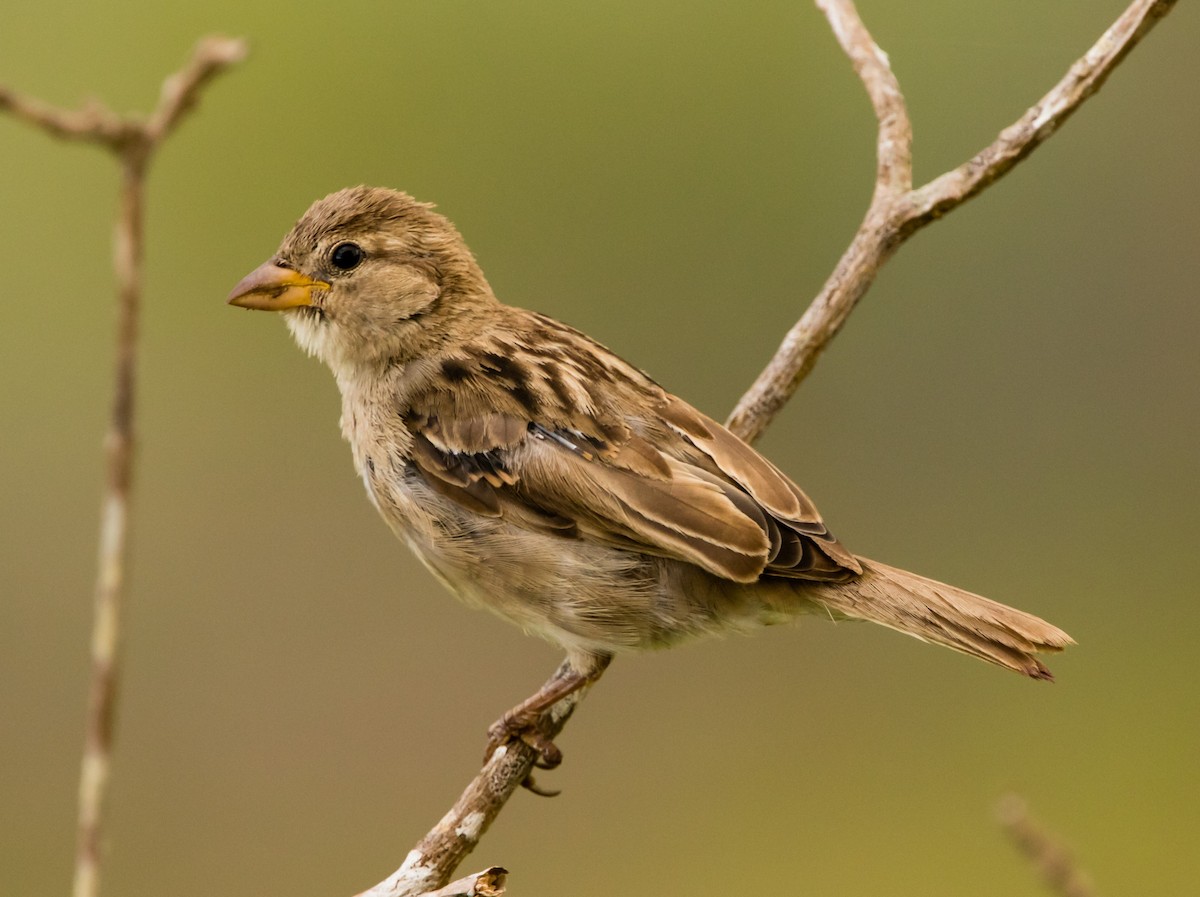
[(772, 489), (596, 449)]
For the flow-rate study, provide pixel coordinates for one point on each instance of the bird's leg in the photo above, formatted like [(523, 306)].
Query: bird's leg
[(527, 721)]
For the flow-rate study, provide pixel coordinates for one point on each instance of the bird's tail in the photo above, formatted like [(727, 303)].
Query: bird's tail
[(936, 612)]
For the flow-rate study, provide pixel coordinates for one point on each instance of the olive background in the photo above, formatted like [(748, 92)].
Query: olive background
[(1013, 408)]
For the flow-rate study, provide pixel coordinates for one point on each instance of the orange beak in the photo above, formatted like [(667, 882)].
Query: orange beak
[(271, 287)]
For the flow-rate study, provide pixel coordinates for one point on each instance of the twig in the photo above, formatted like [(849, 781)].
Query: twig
[(133, 142), (488, 883), (897, 211), (893, 142), (1057, 867)]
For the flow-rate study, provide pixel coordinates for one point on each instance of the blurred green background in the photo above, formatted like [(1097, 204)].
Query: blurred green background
[(1014, 408)]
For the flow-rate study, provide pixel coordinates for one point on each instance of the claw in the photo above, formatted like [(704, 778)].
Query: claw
[(530, 785), (529, 721), (549, 756), (512, 728)]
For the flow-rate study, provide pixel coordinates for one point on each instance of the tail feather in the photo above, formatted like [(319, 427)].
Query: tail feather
[(940, 613)]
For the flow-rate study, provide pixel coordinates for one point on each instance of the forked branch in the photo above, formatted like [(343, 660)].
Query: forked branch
[(133, 142), (896, 212)]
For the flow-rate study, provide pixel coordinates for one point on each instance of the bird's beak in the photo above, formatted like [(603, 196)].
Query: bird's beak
[(271, 287)]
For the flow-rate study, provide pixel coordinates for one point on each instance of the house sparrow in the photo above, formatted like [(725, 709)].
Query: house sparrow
[(538, 475)]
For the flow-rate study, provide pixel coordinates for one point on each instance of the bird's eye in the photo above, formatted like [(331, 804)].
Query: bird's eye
[(347, 256)]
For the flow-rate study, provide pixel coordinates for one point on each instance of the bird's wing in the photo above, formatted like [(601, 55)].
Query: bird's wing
[(648, 473)]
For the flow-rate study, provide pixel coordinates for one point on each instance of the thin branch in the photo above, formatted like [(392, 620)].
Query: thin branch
[(1041, 120), (94, 121), (1057, 867), (432, 862), (133, 143), (181, 91), (896, 211), (893, 144)]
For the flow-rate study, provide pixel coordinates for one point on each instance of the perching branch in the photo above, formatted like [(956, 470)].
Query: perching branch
[(895, 213), (1057, 867), (133, 142), (432, 862)]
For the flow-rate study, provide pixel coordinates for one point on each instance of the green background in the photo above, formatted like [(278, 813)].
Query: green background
[(1013, 408)]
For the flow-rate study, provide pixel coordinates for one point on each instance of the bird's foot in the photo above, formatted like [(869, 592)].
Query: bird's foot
[(511, 727), (530, 721)]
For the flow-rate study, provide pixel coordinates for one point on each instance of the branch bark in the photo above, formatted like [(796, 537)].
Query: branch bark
[(896, 212), (432, 862), (488, 883), (133, 142)]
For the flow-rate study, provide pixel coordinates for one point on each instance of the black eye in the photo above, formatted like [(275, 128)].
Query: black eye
[(347, 256)]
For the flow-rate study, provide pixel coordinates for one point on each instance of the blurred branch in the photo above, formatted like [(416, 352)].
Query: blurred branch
[(133, 142), (897, 211), (1043, 850)]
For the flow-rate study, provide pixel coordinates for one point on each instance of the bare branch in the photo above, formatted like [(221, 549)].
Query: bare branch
[(897, 211), (94, 121), (1057, 867), (893, 145), (1042, 119), (133, 143), (181, 91), (432, 862)]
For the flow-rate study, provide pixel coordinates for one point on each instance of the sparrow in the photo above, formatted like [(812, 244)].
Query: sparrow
[(538, 475)]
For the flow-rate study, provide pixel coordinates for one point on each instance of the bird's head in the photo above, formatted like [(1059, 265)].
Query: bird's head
[(369, 276)]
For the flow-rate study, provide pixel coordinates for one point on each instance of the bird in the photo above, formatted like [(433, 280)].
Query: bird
[(540, 476)]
